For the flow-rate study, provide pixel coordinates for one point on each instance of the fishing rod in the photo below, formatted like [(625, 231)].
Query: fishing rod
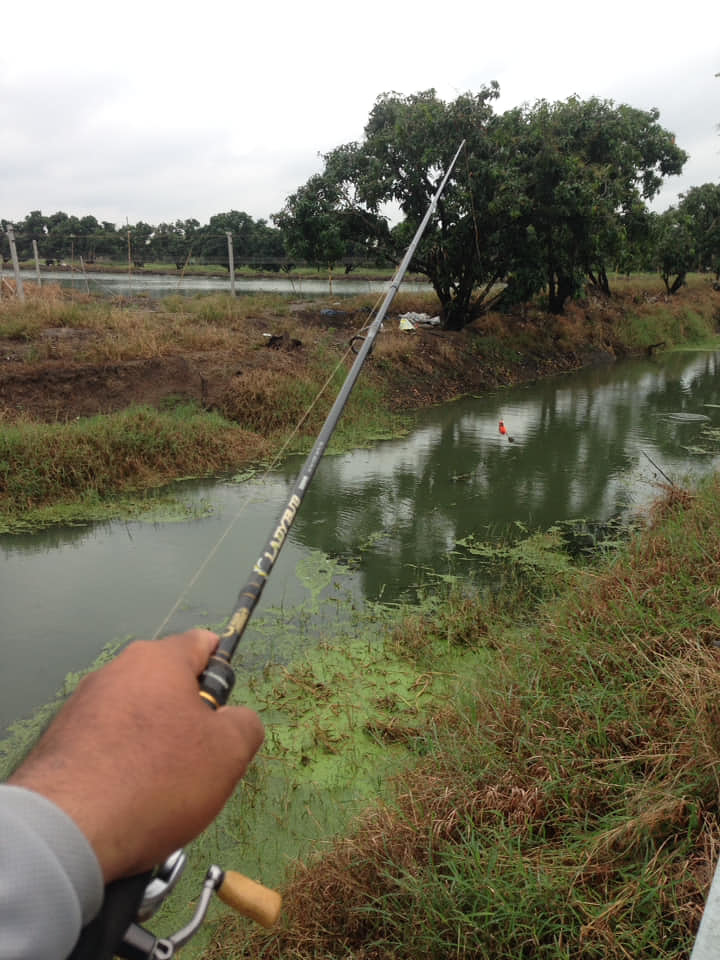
[(218, 679), (119, 920)]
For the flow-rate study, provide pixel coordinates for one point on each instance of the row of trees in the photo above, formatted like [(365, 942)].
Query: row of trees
[(62, 238), (548, 197)]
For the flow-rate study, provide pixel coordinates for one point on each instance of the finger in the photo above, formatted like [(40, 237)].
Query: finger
[(197, 646), (243, 733)]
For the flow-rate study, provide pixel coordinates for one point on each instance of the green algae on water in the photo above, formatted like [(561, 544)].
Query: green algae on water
[(342, 721)]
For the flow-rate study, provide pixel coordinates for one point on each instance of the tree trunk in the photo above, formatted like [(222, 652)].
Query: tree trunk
[(600, 281), (552, 291), (678, 282), (559, 292), (454, 315)]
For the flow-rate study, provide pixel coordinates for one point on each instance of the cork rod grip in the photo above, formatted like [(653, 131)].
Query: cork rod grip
[(251, 899)]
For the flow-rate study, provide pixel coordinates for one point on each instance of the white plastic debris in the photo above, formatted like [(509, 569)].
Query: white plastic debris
[(410, 321)]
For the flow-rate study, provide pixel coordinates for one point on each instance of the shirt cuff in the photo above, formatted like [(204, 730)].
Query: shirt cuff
[(64, 842)]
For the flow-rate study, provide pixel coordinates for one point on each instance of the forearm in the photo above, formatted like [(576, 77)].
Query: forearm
[(133, 767), (51, 884)]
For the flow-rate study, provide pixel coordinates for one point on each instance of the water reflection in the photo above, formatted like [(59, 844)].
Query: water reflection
[(580, 450), (156, 286)]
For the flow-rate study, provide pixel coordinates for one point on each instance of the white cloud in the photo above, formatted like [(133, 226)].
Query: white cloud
[(172, 110)]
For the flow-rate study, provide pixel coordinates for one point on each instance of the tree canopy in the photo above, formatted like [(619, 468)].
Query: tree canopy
[(702, 206), (581, 171), (409, 143), (673, 247), (544, 196), (318, 229), (60, 237)]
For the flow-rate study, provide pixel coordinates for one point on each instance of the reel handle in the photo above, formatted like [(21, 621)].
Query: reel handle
[(250, 899)]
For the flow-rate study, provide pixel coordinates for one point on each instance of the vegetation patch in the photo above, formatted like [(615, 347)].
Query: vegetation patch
[(341, 720), (151, 506), (92, 459)]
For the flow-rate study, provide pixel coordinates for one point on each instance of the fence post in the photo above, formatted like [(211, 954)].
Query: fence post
[(19, 288), (231, 262), (82, 267), (37, 263)]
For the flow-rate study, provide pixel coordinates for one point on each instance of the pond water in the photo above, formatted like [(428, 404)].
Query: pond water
[(157, 286), (588, 445)]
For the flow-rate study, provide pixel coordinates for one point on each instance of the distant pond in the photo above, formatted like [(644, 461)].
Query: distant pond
[(162, 285)]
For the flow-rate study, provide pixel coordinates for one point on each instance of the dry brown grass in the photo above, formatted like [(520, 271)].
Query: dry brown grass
[(54, 324)]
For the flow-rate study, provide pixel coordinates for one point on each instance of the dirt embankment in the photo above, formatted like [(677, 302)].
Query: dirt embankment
[(43, 379)]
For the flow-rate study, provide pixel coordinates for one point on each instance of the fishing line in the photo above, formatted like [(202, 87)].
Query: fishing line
[(662, 472), (263, 478)]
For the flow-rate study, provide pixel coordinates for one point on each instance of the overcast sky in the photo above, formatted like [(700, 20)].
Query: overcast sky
[(160, 111)]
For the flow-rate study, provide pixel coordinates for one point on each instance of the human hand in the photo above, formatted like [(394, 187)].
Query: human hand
[(137, 758)]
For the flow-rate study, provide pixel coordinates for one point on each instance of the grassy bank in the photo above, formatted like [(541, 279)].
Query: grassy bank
[(563, 801), (249, 405), (84, 463), (116, 465)]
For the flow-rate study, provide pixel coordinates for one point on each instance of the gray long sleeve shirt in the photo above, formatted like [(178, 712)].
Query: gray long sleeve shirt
[(51, 884)]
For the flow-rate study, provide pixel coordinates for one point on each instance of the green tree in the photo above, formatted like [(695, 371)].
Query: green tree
[(319, 225), (702, 205), (174, 242), (138, 236), (408, 145), (63, 237), (673, 247), (214, 245), (633, 250), (268, 248), (581, 170), (33, 227), (62, 232), (89, 232), (110, 243)]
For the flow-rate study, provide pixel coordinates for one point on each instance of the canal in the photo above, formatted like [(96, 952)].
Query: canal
[(375, 524)]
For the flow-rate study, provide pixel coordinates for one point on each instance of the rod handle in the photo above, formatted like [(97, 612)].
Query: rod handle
[(217, 681), (249, 898)]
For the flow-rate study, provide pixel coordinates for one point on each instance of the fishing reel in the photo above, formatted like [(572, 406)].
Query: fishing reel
[(242, 894)]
